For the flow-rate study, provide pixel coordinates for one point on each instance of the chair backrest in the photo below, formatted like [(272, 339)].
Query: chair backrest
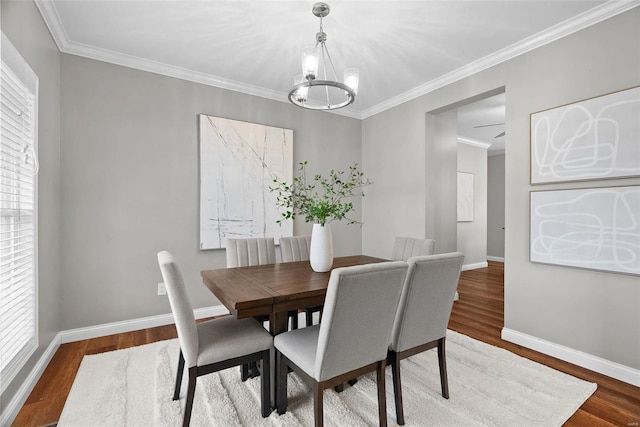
[(359, 310), (427, 299), (247, 252), (406, 247), (181, 308), (295, 248)]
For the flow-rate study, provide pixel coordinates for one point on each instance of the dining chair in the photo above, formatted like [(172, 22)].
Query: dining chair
[(406, 247), (423, 315), (212, 345), (352, 339), (250, 252), (255, 251), (297, 248)]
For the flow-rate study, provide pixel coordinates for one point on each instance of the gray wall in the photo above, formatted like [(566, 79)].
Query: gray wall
[(441, 136), (22, 24), (596, 313), (472, 236), (495, 206), (130, 183)]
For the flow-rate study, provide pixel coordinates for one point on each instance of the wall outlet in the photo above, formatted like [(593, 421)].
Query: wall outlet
[(162, 289)]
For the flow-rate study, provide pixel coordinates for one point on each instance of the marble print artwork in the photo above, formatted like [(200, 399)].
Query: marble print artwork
[(238, 163), (465, 197), (592, 139), (595, 228)]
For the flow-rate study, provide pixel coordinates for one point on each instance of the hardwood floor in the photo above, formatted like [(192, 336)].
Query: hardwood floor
[(479, 314)]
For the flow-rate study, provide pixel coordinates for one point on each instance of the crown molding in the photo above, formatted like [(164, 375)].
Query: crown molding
[(607, 10), (474, 142), (563, 29), (53, 22)]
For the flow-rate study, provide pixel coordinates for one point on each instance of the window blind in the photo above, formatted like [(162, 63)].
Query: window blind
[(18, 165)]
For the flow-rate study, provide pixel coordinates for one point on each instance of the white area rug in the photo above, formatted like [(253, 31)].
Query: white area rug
[(488, 386)]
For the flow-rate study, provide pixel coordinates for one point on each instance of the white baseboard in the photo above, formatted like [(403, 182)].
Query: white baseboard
[(585, 360), (495, 258), (89, 332), (10, 412), (475, 266)]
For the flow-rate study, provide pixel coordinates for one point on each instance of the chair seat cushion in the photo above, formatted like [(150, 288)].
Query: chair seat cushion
[(300, 346), (227, 337)]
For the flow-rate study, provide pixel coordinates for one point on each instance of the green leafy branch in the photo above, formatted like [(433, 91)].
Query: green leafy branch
[(321, 200)]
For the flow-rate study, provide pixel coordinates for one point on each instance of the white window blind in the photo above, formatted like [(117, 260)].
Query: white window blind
[(18, 166)]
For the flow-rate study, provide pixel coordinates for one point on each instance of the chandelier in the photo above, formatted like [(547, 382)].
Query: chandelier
[(308, 90)]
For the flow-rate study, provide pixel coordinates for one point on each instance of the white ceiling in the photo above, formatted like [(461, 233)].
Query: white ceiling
[(402, 48)]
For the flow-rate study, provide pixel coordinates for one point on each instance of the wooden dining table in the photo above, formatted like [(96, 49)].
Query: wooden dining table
[(274, 289)]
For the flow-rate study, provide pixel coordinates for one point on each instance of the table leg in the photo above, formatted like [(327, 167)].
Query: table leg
[(278, 323)]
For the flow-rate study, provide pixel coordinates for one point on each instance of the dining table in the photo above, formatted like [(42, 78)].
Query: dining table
[(273, 290)]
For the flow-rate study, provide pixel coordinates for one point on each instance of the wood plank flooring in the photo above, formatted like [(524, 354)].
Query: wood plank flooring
[(479, 314)]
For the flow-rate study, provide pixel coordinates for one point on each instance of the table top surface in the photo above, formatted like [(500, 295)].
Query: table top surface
[(273, 288)]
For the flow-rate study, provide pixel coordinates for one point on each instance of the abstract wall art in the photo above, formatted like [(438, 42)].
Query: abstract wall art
[(238, 163), (592, 139), (595, 228), (465, 197)]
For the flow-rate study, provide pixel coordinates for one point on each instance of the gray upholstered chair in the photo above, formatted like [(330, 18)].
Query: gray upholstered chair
[(423, 315), (406, 247), (293, 249), (353, 337), (248, 252), (253, 251), (213, 345)]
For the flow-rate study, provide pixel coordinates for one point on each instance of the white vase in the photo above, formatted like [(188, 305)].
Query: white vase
[(321, 251)]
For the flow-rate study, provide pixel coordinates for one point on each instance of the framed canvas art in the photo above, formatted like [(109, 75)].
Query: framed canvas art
[(596, 138), (238, 163), (465, 197), (593, 228)]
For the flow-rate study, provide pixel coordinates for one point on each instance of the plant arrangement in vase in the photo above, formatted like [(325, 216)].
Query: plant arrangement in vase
[(321, 200)]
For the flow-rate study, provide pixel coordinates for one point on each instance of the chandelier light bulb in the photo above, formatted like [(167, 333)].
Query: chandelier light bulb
[(310, 60), (302, 92), (352, 78)]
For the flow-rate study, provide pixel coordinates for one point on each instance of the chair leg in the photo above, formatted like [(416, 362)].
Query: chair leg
[(191, 391), (442, 359), (318, 412), (397, 385), (294, 319), (253, 369), (382, 399), (309, 317), (281, 392), (265, 384), (244, 372), (176, 392)]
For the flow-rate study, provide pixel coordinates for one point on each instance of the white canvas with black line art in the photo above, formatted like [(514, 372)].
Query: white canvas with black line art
[(238, 163)]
